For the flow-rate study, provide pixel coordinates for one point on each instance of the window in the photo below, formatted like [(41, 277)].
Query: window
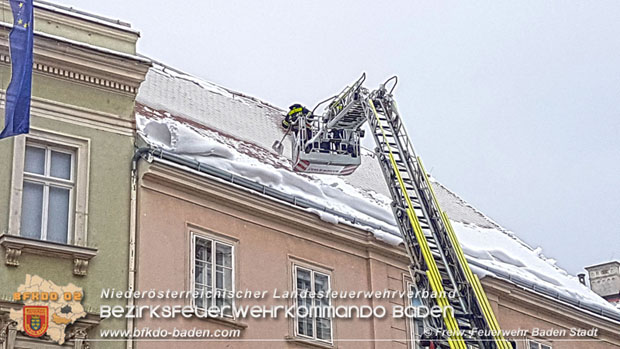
[(416, 325), (213, 269), (537, 345), (307, 283), (48, 187)]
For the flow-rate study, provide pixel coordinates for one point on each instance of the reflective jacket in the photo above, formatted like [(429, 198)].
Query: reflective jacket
[(297, 110)]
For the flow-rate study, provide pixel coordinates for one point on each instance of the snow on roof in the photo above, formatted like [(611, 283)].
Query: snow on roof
[(233, 132)]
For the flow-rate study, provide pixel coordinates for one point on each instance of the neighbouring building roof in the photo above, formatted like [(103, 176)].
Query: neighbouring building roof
[(232, 134)]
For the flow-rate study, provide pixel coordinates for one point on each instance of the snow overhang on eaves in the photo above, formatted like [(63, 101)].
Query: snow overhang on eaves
[(254, 186)]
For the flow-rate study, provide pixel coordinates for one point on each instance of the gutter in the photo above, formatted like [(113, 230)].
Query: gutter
[(275, 194), (254, 186), (547, 291)]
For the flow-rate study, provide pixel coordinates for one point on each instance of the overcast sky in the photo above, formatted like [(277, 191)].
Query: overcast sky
[(512, 104)]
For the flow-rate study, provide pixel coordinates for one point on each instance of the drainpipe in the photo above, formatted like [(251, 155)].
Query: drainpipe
[(131, 280)]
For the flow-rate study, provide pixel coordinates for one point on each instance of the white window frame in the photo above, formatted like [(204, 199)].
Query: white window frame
[(539, 344), (214, 239), (313, 271), (78, 209), (48, 181), (412, 322)]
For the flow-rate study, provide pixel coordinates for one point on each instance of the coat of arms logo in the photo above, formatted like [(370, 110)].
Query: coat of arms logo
[(36, 320)]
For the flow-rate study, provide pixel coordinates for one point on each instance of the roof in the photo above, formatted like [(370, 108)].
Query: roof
[(608, 263), (227, 134)]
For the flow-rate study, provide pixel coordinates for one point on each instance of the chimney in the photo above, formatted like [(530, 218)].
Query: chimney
[(605, 280), (582, 278)]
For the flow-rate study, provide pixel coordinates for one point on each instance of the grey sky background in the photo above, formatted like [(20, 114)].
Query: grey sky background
[(512, 104)]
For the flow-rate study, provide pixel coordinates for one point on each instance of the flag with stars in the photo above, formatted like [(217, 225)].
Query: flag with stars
[(17, 107)]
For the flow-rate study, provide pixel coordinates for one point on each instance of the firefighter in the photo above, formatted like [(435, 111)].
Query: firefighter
[(295, 112), (291, 120)]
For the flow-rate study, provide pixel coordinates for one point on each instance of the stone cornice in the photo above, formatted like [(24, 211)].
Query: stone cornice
[(86, 23), (14, 246), (83, 64), (54, 19)]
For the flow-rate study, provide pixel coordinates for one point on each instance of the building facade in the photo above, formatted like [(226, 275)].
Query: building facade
[(198, 232), (605, 280), (64, 187)]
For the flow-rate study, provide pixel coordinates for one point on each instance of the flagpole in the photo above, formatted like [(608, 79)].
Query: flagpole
[(21, 45), (3, 96)]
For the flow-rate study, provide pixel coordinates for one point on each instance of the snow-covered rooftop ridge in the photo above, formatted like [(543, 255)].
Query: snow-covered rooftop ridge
[(211, 86), (462, 211), (484, 221), (202, 122)]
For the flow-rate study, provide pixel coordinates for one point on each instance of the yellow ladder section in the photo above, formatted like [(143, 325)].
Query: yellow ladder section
[(455, 339), (473, 279)]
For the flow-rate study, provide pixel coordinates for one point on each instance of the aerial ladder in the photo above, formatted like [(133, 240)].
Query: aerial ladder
[(437, 262)]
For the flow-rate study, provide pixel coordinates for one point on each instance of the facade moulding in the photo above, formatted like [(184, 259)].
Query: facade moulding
[(88, 65), (14, 247)]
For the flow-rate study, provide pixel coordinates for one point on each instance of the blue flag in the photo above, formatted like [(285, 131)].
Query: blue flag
[(17, 108)]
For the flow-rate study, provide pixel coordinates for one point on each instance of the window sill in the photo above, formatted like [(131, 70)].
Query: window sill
[(225, 321), (14, 245), (310, 342)]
